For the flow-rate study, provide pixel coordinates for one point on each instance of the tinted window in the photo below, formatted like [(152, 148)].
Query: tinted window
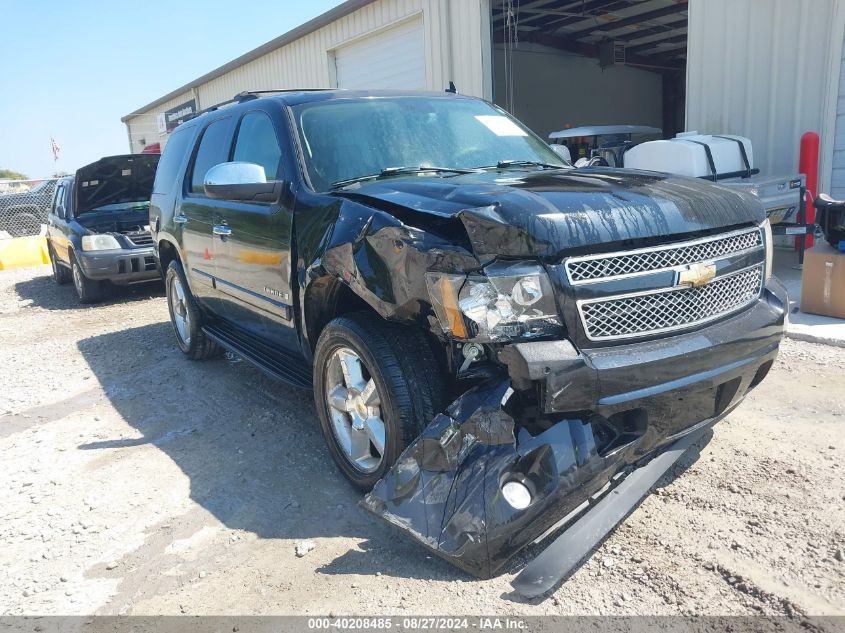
[(257, 143), (174, 151), (59, 198), (212, 151)]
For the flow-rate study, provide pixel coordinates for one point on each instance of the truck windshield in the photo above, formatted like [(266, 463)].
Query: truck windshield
[(347, 139)]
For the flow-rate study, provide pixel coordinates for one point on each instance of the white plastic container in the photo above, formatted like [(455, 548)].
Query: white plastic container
[(685, 155)]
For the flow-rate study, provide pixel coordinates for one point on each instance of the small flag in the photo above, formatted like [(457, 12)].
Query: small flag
[(56, 149)]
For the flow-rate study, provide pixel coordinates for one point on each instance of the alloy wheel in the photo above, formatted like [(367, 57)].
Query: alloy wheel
[(354, 406), (179, 310)]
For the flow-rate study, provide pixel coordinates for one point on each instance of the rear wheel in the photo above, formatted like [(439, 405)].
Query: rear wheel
[(185, 316), (61, 275), (88, 290), (376, 387)]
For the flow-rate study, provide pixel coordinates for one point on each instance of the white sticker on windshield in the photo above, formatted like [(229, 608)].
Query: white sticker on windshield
[(125, 172), (501, 125)]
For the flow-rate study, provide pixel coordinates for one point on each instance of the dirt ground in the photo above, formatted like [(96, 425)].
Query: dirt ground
[(135, 481)]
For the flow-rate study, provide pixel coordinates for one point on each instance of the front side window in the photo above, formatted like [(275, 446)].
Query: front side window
[(344, 139), (257, 143), (213, 150)]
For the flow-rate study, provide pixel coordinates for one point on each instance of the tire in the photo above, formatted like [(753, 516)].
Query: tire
[(834, 237), (186, 317), (88, 290), (408, 385), (61, 274)]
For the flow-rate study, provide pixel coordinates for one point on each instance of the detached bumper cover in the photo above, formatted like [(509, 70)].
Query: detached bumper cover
[(446, 488), (120, 266)]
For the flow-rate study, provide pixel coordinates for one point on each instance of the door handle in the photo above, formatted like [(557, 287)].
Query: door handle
[(222, 230), (180, 219)]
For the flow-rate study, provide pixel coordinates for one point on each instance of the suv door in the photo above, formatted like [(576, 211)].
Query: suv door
[(253, 258), (57, 222), (199, 214)]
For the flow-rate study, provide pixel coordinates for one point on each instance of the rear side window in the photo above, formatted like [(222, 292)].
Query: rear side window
[(257, 143), (58, 198), (174, 151), (212, 151)]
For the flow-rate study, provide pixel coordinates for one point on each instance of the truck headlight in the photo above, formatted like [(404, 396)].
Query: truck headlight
[(512, 300), (99, 242), (770, 249)]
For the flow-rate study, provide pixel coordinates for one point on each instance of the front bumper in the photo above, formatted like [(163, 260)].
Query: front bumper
[(446, 488), (119, 266)]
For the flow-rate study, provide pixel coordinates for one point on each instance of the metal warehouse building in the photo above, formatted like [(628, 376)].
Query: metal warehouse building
[(766, 69)]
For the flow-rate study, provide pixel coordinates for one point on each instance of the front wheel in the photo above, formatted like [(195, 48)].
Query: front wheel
[(88, 290), (376, 387)]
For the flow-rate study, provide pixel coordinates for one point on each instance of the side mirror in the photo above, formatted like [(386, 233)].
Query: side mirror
[(563, 152), (60, 211), (240, 181)]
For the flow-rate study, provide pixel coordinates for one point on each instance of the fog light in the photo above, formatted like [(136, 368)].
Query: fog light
[(517, 495)]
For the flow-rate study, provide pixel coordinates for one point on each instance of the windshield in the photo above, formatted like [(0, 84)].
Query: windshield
[(345, 139)]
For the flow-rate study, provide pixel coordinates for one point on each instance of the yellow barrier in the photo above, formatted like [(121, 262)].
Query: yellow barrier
[(22, 252)]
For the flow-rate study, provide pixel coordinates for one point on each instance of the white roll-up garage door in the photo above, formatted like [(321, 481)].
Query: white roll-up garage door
[(392, 58)]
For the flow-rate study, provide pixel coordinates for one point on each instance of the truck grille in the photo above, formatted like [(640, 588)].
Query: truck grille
[(140, 238), (654, 312), (608, 266)]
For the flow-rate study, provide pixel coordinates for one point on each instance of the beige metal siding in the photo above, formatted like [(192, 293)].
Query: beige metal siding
[(837, 178), (769, 70), (457, 40), (144, 127), (457, 48)]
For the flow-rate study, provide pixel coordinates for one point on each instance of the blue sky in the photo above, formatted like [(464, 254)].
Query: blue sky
[(72, 69)]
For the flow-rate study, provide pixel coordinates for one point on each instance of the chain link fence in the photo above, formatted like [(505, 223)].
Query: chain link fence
[(24, 205)]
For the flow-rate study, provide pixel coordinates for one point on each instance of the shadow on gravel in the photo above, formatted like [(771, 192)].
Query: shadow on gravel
[(250, 446), (45, 293)]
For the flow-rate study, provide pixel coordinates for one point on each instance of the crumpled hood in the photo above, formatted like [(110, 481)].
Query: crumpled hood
[(115, 179), (545, 213)]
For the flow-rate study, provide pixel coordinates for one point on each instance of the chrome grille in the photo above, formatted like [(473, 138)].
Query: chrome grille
[(141, 238), (599, 267), (645, 313)]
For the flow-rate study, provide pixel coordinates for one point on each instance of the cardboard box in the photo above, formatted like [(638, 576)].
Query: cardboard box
[(823, 282)]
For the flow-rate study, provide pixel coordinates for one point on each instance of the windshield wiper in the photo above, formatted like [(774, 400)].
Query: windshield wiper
[(398, 171), (504, 164)]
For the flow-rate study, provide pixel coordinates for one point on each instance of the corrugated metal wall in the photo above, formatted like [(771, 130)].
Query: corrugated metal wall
[(769, 70), (457, 48), (837, 178)]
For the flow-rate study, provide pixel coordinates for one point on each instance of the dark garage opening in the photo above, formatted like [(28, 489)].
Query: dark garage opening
[(565, 63)]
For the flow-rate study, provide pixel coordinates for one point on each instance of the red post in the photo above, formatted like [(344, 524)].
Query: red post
[(808, 164)]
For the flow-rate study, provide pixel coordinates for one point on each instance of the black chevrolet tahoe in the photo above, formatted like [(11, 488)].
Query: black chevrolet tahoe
[(97, 230), (499, 344)]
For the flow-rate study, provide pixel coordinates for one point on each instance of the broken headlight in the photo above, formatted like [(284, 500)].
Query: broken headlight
[(511, 301)]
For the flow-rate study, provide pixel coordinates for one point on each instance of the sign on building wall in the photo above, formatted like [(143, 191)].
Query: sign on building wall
[(179, 114)]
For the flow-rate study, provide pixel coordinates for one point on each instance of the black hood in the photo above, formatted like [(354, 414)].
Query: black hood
[(544, 213), (114, 180)]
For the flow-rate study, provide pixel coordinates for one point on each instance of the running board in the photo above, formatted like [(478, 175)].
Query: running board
[(279, 364), (560, 558)]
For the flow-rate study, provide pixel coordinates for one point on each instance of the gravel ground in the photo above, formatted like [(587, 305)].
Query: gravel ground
[(138, 482)]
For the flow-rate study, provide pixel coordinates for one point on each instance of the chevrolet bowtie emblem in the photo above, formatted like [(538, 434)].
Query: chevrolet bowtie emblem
[(696, 275)]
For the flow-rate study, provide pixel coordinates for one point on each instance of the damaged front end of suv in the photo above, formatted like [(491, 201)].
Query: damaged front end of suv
[(596, 323)]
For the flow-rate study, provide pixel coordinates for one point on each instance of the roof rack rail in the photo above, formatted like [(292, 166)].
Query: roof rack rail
[(249, 95)]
